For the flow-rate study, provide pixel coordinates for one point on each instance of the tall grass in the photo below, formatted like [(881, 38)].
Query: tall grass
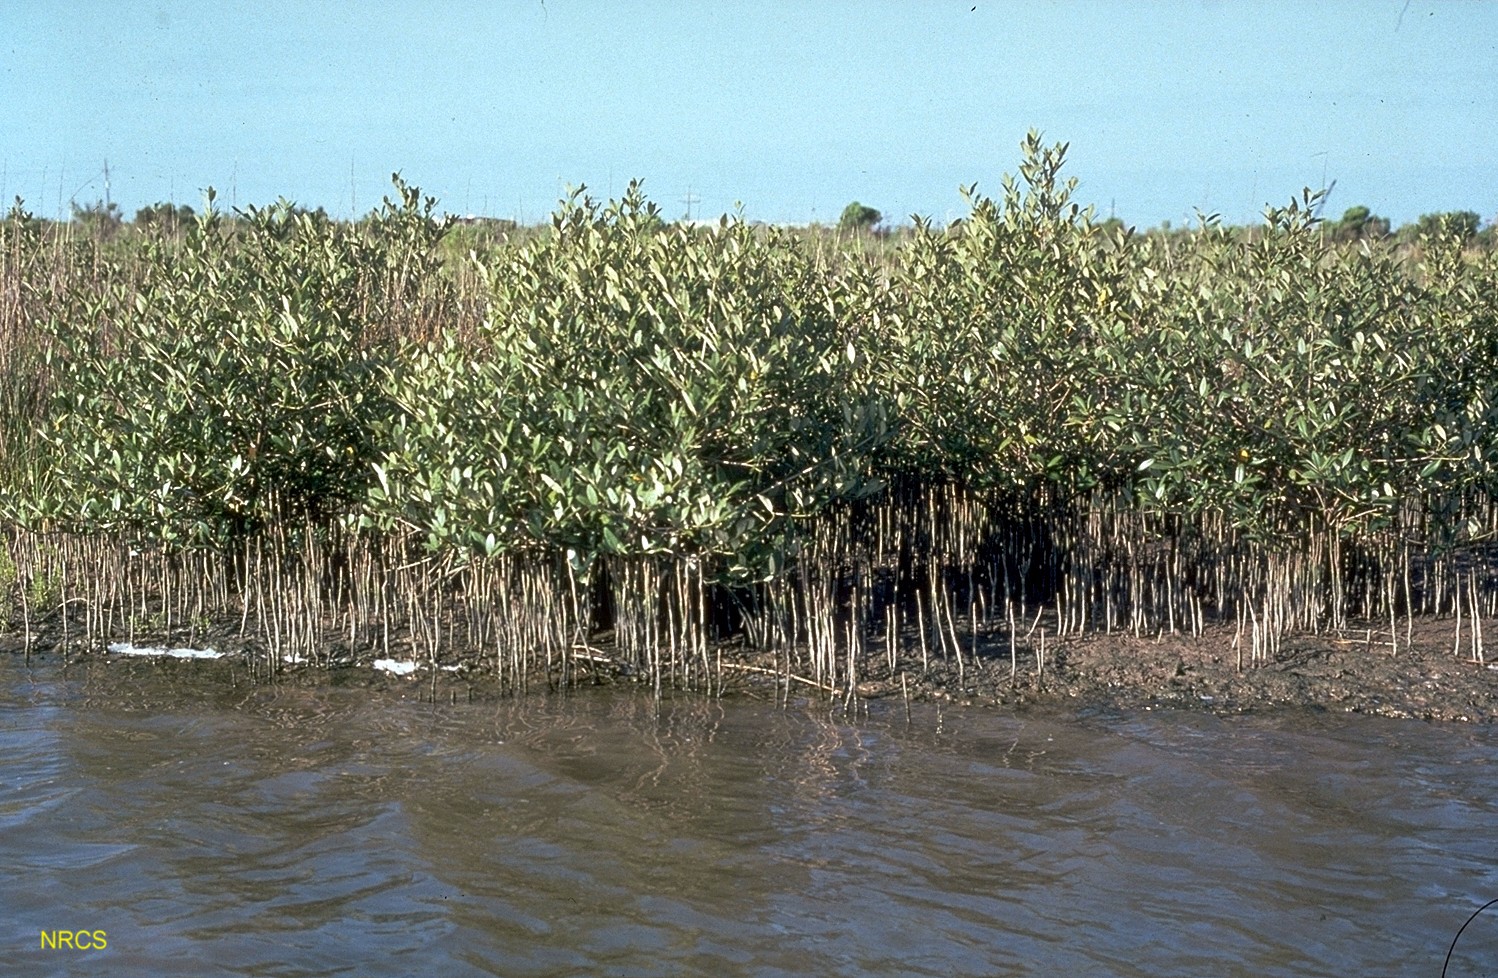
[(624, 441)]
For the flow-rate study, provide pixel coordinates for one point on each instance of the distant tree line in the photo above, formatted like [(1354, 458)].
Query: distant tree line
[(1358, 223), (104, 220)]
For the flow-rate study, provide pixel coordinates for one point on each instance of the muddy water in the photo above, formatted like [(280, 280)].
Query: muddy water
[(213, 829)]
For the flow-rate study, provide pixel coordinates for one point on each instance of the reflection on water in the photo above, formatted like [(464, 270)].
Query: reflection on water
[(214, 828)]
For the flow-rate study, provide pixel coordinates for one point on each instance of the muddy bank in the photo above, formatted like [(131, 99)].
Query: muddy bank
[(1356, 671)]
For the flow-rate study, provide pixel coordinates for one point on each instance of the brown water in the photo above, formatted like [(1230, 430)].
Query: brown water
[(218, 830)]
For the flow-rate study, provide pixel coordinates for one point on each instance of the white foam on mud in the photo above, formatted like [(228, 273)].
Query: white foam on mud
[(125, 648), (395, 666)]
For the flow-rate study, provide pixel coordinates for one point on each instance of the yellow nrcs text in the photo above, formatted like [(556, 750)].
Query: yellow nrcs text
[(74, 940)]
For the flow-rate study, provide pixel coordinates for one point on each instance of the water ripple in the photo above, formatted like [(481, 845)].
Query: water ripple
[(217, 828)]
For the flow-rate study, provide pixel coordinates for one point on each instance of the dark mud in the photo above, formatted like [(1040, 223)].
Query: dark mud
[(1424, 677), (1356, 671)]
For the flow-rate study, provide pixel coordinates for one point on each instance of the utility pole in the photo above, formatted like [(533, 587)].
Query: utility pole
[(689, 200), (107, 201)]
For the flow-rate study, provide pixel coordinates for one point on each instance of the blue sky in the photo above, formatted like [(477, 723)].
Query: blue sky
[(793, 109)]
